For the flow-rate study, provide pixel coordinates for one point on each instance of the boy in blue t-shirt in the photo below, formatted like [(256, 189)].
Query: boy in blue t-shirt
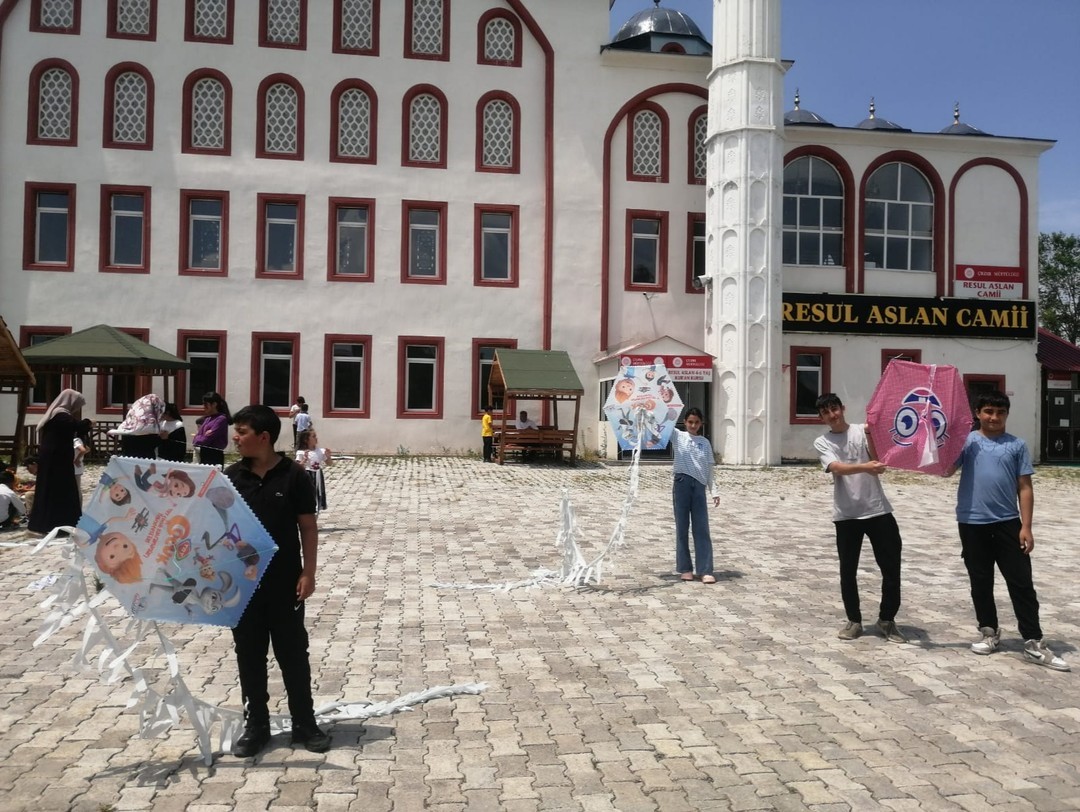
[(995, 476)]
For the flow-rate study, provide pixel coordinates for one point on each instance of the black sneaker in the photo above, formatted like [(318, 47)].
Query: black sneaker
[(252, 741), (309, 735)]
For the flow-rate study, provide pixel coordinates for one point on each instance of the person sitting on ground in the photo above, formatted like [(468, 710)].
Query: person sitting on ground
[(12, 507)]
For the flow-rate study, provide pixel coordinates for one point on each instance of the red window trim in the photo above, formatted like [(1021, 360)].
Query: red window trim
[(186, 196), (110, 100), (481, 30), (826, 382), (979, 377), (440, 359), (260, 143), (406, 106), (112, 33), (515, 161), (479, 210), (264, 35), (338, 48), (35, 19), (262, 201), (182, 337), (256, 367), (703, 110), (189, 24), (444, 55), (661, 285), (665, 148), (32, 189), (335, 117), (105, 242), (406, 207), (692, 218), (477, 343), (889, 354), (34, 100), (26, 333), (142, 382), (328, 375), (331, 239), (189, 119)]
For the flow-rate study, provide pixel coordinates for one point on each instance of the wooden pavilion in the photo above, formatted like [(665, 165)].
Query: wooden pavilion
[(16, 378)]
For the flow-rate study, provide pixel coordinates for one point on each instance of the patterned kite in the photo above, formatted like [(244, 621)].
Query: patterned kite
[(643, 401)]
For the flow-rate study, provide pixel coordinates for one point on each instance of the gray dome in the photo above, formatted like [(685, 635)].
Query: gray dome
[(960, 128), (659, 21), (800, 116), (874, 123)]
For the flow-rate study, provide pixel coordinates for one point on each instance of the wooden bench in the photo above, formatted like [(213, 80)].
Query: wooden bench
[(540, 441)]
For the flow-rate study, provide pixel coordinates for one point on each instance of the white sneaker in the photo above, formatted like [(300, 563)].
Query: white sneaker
[(990, 639), (1035, 651)]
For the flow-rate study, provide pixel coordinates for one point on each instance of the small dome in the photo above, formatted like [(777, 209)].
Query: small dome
[(800, 116), (960, 128), (659, 21), (872, 122)]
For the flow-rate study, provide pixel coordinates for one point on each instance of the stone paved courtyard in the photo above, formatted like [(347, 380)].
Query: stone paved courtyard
[(644, 693)]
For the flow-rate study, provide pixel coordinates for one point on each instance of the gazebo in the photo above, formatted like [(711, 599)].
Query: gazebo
[(15, 379), (544, 375)]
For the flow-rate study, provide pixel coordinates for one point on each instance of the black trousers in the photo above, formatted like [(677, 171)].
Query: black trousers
[(985, 545), (885, 540), (273, 618), (211, 456), (488, 444)]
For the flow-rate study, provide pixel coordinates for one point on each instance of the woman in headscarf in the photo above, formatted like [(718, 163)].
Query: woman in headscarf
[(140, 433), (57, 501)]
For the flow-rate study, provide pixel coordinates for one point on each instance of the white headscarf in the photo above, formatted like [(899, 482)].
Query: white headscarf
[(144, 417), (69, 401)]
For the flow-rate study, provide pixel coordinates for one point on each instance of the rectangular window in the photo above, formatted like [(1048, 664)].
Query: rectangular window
[(115, 393), (914, 356), (809, 381), (125, 228), (346, 376), (978, 384), (204, 229), (49, 233), (280, 251), (274, 356), (496, 240), (209, 21), (695, 252), (352, 250), (483, 359), (646, 251), (424, 252), (205, 350), (420, 376), (48, 384)]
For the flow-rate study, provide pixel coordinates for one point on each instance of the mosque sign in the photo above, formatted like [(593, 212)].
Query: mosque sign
[(904, 315), (989, 282)]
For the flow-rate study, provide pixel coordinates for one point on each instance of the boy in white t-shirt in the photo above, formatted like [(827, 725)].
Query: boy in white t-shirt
[(859, 509)]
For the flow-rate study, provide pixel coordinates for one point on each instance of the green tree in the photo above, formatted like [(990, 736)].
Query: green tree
[(1059, 284)]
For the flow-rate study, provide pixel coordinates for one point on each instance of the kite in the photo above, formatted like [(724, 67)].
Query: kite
[(643, 404), (919, 417)]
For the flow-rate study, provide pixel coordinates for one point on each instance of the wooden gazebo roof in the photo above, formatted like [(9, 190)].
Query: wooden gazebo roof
[(102, 350), (15, 373)]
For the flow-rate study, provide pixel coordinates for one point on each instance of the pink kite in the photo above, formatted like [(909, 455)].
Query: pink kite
[(919, 417)]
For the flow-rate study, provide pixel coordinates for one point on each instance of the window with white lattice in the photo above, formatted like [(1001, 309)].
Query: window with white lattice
[(499, 133), (281, 133), (427, 29), (647, 144), (129, 105), (207, 117), (699, 127), (53, 104), (499, 39), (209, 21), (425, 128), (55, 16), (353, 107), (282, 23), (132, 19), (356, 27)]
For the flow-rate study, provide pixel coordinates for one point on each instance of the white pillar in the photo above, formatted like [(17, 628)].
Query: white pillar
[(743, 227)]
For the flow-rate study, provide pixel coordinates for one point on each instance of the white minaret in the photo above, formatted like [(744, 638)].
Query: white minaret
[(743, 224)]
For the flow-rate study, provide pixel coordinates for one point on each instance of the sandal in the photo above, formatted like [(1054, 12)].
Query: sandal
[(687, 576), (708, 579)]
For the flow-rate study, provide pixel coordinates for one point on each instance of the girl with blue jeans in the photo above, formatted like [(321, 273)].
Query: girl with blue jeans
[(693, 475)]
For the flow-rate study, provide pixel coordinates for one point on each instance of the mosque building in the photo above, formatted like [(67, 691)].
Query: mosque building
[(362, 201)]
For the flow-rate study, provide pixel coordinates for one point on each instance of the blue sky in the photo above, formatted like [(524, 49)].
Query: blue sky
[(1011, 65)]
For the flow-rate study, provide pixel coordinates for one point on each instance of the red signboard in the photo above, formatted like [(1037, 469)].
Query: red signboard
[(679, 367), (989, 282)]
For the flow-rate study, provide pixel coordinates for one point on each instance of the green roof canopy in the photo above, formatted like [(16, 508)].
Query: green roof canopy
[(535, 373), (101, 349)]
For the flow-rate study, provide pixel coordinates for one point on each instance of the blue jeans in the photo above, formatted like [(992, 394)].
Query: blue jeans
[(688, 496)]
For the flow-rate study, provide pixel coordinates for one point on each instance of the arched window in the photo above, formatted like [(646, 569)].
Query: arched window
[(55, 16), (283, 24), (499, 39), (207, 113), (898, 219), (209, 21), (356, 27), (424, 128), (353, 107), (132, 19), (281, 118), (54, 104), (129, 108), (498, 128), (813, 213), (698, 130), (647, 144), (427, 29)]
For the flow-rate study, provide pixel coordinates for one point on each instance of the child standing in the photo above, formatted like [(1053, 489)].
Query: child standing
[(314, 459), (487, 433), (994, 507), (301, 423)]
